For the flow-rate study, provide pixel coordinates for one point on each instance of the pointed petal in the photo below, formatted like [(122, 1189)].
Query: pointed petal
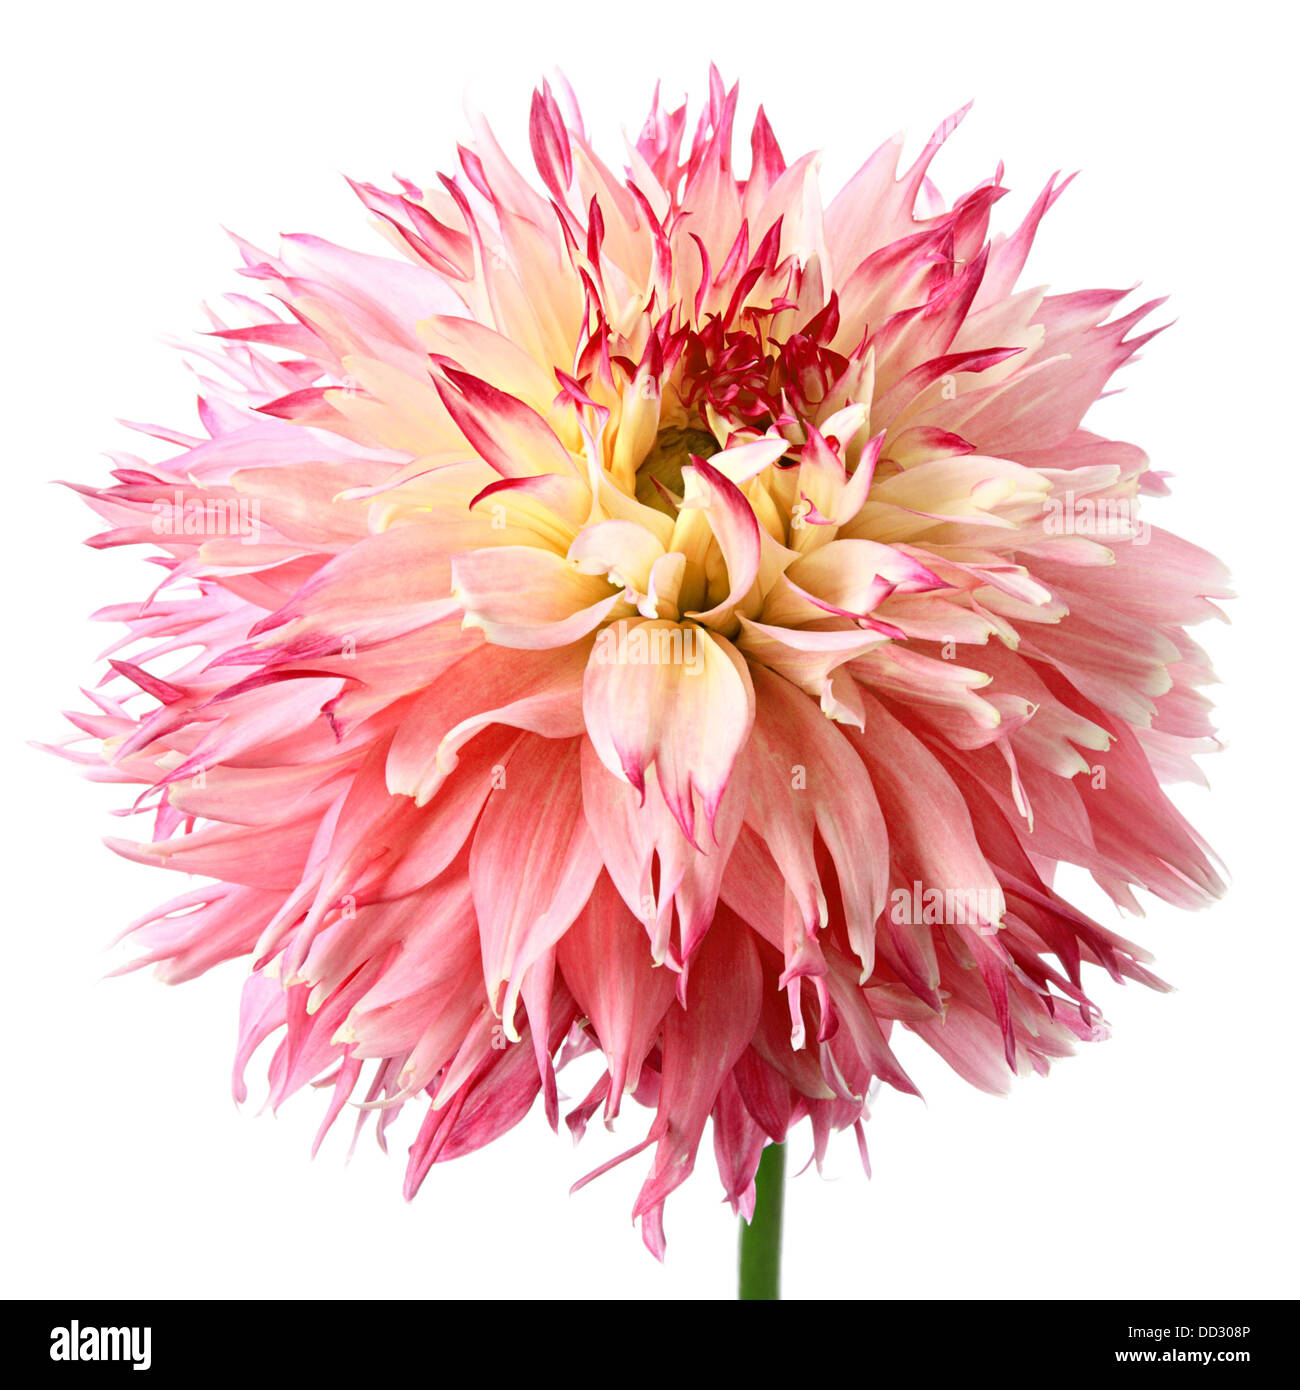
[(605, 960), (677, 698), (532, 865)]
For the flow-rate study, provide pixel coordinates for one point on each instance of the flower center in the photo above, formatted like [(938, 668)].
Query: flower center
[(659, 478)]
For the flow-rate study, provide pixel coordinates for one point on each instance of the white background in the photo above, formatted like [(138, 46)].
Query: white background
[(1160, 1163)]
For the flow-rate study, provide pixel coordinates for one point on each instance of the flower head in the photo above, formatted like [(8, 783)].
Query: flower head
[(663, 615)]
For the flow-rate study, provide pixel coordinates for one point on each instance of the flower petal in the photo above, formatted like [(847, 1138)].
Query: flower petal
[(525, 597), (675, 697), (532, 865)]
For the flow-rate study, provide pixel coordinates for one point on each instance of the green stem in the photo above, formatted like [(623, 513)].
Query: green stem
[(760, 1240)]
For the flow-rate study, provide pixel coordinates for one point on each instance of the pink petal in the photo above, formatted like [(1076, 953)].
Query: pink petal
[(532, 865), (678, 699), (605, 959)]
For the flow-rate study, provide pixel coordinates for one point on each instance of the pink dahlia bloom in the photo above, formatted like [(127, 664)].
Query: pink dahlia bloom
[(660, 615)]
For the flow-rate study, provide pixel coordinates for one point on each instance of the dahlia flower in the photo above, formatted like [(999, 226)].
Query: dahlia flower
[(656, 614)]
